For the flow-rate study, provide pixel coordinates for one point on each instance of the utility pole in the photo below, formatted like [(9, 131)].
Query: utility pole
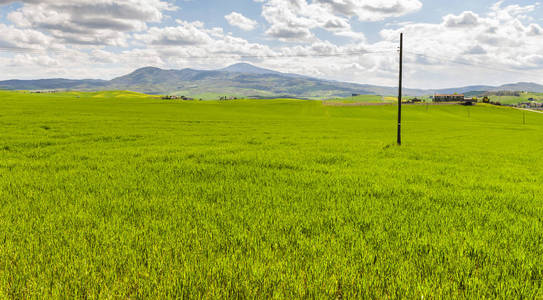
[(400, 93)]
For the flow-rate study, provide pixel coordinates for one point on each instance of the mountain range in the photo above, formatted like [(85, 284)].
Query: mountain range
[(242, 80)]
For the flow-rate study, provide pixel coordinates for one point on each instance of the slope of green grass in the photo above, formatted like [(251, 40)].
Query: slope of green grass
[(131, 197)]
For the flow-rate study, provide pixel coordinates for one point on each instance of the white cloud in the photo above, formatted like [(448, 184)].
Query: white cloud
[(239, 20), (468, 47), (23, 38), (186, 34), (372, 10), (465, 19), (86, 39), (99, 22), (292, 20), (175, 45), (83, 39)]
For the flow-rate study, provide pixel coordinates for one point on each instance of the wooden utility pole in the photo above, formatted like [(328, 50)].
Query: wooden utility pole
[(400, 93)]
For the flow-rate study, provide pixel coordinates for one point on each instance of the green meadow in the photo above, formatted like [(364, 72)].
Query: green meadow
[(123, 195)]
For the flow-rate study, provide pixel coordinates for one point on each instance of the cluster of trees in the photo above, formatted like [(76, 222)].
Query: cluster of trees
[(223, 98), (486, 99), (178, 97), (503, 93)]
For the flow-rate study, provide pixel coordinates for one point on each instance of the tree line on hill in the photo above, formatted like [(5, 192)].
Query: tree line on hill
[(503, 93)]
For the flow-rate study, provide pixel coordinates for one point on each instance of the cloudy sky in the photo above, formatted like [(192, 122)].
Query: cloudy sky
[(447, 43)]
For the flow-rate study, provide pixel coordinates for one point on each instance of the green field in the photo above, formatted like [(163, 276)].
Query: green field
[(120, 195)]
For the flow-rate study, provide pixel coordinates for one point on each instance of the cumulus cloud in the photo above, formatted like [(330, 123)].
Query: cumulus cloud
[(99, 22), (240, 21), (288, 33), (476, 50), (195, 39), (465, 19), (84, 29), (498, 41), (293, 20), (15, 38), (183, 35), (105, 38), (372, 10)]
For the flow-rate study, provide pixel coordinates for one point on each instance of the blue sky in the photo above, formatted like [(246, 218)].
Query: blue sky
[(448, 43)]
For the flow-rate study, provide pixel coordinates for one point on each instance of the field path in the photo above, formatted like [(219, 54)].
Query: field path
[(531, 110), (326, 103)]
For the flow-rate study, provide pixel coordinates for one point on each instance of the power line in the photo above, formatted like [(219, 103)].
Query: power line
[(400, 93), (20, 50), (470, 64), (356, 53), (338, 54), (346, 54), (31, 50)]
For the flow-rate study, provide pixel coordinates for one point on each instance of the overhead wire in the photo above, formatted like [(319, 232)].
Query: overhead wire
[(241, 56), (19, 50), (465, 63)]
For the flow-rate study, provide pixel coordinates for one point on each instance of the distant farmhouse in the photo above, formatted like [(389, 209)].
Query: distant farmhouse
[(43, 92), (176, 97), (170, 97), (415, 100), (448, 98), (455, 98), (530, 104)]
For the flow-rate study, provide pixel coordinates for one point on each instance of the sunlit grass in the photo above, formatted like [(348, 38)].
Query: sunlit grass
[(122, 195)]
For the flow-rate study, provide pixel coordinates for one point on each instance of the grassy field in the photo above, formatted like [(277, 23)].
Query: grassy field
[(118, 195)]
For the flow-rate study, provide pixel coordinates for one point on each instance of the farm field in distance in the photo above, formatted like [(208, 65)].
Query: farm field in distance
[(522, 97), (123, 195), (359, 98)]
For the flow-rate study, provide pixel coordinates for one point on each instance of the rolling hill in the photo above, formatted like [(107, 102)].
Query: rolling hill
[(242, 80), (56, 83)]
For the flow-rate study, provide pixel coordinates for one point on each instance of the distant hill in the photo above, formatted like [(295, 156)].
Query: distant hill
[(57, 83), (521, 86), (248, 69), (242, 80), (481, 89), (475, 93), (464, 90)]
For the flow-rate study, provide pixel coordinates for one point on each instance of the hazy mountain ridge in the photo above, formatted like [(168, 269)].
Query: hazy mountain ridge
[(242, 80), (54, 83)]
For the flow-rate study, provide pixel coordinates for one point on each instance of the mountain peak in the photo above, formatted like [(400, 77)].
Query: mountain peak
[(147, 69), (247, 68)]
